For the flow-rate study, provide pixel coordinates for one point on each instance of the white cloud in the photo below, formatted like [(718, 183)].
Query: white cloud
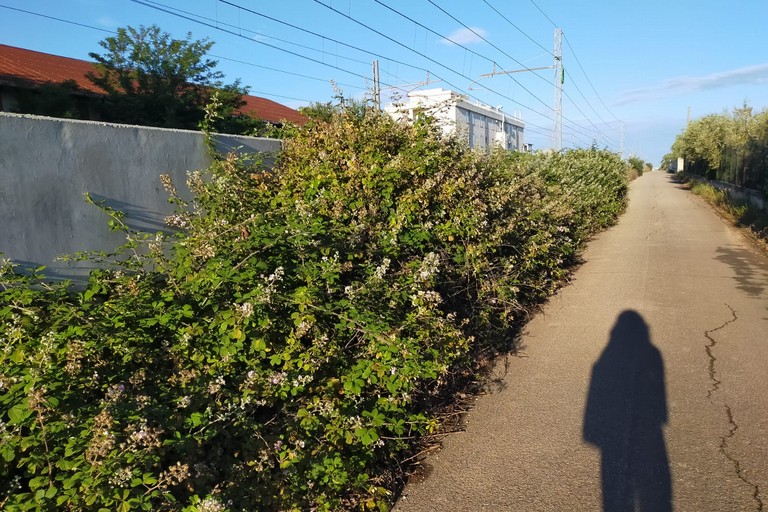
[(107, 22), (465, 36), (748, 75)]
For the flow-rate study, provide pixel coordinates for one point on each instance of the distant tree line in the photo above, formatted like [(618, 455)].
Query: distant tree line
[(730, 147)]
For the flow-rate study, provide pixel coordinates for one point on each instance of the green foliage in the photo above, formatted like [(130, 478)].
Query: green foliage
[(727, 147), (636, 164), (51, 99), (319, 111), (741, 213), (152, 79), (283, 348)]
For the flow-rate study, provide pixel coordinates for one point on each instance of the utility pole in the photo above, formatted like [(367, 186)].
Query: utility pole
[(622, 140), (376, 86), (558, 79)]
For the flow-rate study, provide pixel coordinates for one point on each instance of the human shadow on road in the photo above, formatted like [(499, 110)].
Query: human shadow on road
[(624, 416)]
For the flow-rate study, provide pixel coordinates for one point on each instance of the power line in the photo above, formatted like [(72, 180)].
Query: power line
[(426, 57), (285, 23), (607, 139), (281, 96), (241, 29), (70, 22), (545, 14), (585, 98), (518, 28), (58, 19), (514, 59), (168, 10), (292, 73), (469, 49), (358, 48), (454, 18), (384, 57), (465, 48), (576, 58), (545, 49), (577, 62), (163, 8), (157, 6)]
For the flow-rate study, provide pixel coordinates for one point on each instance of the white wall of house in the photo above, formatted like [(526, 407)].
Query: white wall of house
[(482, 126)]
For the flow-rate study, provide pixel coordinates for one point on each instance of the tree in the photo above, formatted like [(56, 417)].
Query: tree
[(154, 80), (319, 111), (324, 112), (636, 163)]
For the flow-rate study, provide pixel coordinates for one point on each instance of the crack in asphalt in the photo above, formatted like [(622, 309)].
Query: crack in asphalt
[(729, 414), (735, 462), (712, 359)]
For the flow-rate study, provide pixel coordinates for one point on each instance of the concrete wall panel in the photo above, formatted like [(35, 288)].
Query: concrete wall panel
[(47, 165)]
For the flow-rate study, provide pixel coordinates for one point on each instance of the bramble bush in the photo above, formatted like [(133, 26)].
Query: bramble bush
[(279, 351)]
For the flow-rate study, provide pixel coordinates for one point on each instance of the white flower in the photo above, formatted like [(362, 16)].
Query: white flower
[(211, 504), (429, 267), (381, 270), (245, 309)]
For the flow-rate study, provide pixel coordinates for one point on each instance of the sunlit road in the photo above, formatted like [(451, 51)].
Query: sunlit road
[(643, 385)]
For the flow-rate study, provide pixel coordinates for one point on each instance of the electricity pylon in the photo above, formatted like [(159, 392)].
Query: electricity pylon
[(559, 80)]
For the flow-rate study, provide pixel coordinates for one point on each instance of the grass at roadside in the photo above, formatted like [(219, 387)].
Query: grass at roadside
[(740, 213)]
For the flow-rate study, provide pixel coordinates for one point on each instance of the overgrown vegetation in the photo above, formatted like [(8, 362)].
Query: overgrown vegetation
[(284, 347), (727, 147), (741, 213), (636, 164)]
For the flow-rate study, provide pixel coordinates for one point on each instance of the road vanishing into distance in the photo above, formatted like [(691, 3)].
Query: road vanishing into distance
[(641, 386)]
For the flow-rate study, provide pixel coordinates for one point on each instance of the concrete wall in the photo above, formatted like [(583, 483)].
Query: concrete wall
[(755, 198), (47, 165)]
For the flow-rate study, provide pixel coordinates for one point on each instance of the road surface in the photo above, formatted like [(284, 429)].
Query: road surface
[(643, 385)]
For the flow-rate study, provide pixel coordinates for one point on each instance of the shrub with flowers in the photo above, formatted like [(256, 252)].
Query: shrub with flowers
[(279, 351)]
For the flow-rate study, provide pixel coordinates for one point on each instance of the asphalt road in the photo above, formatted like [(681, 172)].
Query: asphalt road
[(643, 385)]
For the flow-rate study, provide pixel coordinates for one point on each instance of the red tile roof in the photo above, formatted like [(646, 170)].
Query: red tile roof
[(20, 67), (26, 67), (269, 110)]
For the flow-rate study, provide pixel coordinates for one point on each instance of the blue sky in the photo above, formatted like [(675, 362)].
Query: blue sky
[(634, 70)]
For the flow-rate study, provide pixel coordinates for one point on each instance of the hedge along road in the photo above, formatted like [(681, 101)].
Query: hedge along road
[(640, 386)]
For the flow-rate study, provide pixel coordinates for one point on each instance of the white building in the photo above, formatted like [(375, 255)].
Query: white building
[(481, 125)]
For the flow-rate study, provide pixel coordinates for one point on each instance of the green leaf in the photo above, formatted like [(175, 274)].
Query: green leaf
[(7, 453), (37, 482), (18, 413)]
